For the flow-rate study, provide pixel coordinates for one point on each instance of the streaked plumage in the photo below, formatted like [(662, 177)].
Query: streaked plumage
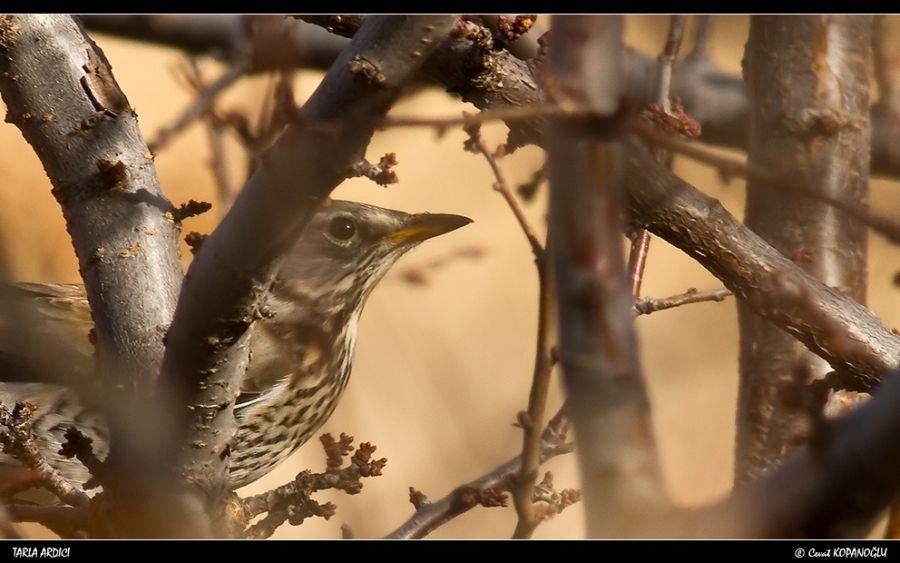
[(300, 357)]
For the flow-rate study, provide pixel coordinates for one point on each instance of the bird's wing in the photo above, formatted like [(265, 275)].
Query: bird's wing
[(45, 333)]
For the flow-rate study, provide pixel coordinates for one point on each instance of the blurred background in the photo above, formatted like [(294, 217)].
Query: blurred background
[(442, 367)]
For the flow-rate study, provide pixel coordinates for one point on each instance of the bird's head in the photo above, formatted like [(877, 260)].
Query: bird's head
[(348, 247)]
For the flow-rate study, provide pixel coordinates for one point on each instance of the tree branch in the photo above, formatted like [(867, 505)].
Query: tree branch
[(206, 351), (656, 195), (598, 353), (649, 305), (523, 488), (431, 515), (816, 131), (840, 330), (60, 92), (716, 98)]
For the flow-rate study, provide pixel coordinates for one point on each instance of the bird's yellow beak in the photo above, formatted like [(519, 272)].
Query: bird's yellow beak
[(425, 226)]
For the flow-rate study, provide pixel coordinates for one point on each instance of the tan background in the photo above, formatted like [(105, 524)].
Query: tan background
[(441, 370)]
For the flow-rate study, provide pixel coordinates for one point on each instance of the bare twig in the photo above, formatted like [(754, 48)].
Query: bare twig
[(533, 420), (293, 502), (419, 274), (667, 61), (431, 515), (201, 104), (702, 28), (509, 114), (717, 98), (764, 179), (846, 334), (637, 259), (225, 183), (502, 186), (648, 305), (640, 239), (215, 128), (17, 441)]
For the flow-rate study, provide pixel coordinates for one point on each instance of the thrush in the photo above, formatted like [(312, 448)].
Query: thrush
[(300, 356)]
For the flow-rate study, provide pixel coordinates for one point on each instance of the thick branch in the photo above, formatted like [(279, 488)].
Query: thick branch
[(836, 487), (823, 144), (206, 350), (846, 334), (60, 92), (598, 352)]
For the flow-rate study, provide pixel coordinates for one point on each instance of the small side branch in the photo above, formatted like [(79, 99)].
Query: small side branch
[(431, 515), (201, 104), (293, 501), (533, 419), (648, 305)]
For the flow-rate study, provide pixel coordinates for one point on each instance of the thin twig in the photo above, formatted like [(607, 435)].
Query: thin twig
[(648, 305), (728, 168), (518, 113), (637, 260), (17, 441), (702, 28), (201, 103), (640, 240), (419, 274), (667, 61), (431, 515), (502, 186), (215, 128), (523, 488)]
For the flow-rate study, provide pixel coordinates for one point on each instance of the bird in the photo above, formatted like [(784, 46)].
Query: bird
[(300, 355)]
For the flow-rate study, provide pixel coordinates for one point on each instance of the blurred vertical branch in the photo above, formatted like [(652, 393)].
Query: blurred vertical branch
[(59, 90), (598, 352), (808, 85), (640, 238)]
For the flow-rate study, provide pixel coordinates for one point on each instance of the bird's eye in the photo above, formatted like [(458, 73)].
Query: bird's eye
[(342, 228)]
